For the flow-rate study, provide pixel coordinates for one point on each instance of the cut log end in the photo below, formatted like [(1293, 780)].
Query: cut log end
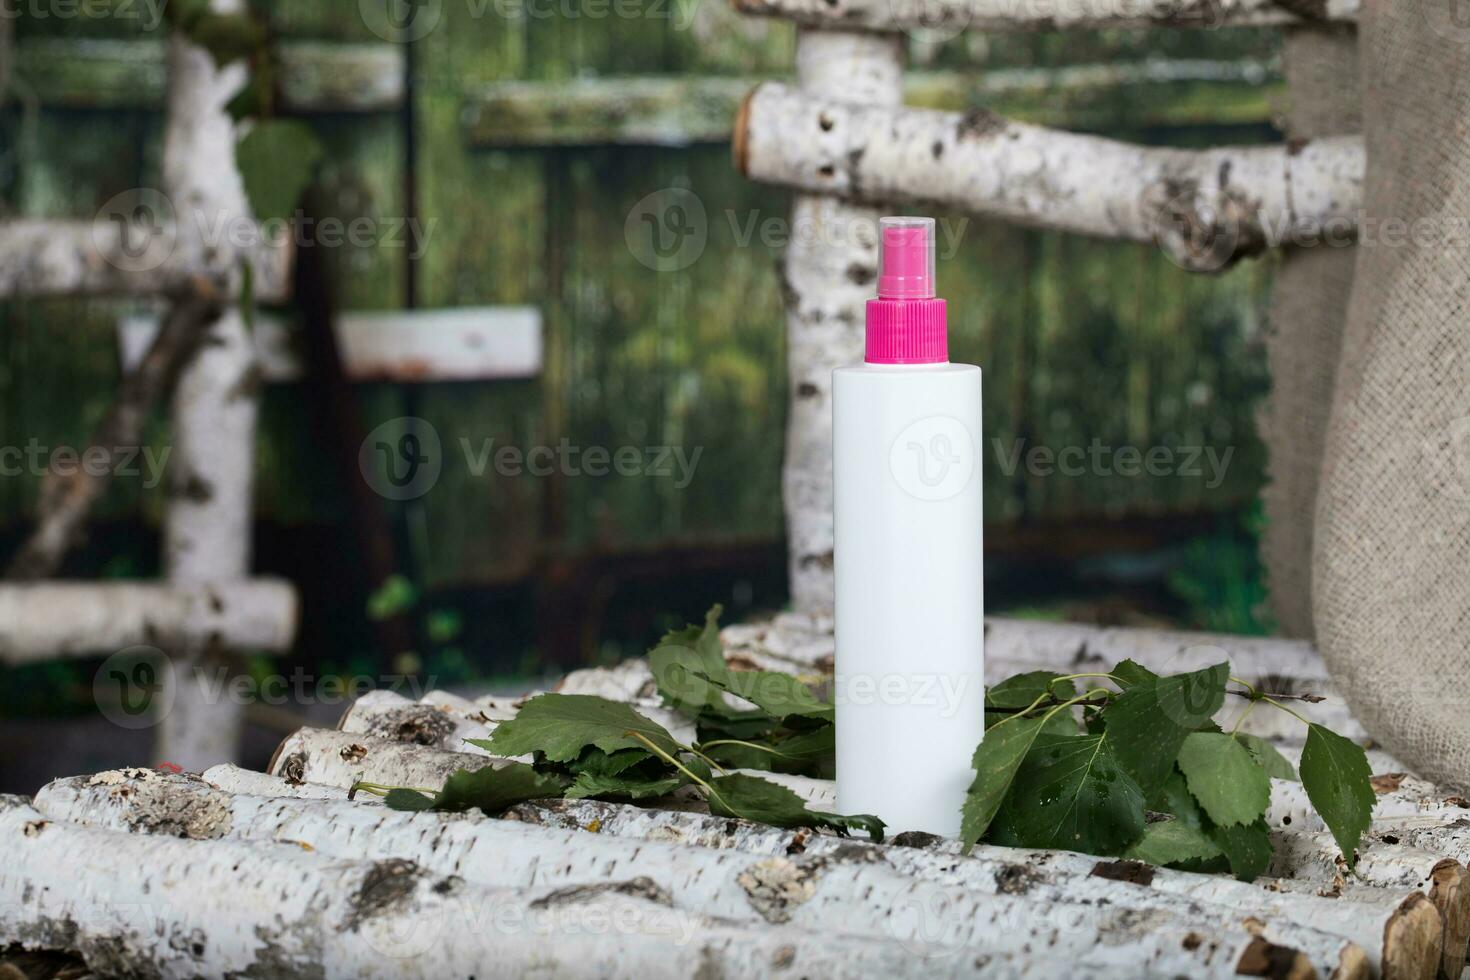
[(1450, 893), (1413, 941)]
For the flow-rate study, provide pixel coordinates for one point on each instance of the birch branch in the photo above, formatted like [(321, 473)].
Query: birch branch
[(154, 905), (949, 17), (1205, 208), (117, 256), (47, 621), (1088, 919)]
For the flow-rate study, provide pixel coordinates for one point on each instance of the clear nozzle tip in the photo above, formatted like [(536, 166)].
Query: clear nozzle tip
[(905, 258)]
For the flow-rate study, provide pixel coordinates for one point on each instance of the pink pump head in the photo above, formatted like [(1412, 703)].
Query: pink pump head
[(906, 323)]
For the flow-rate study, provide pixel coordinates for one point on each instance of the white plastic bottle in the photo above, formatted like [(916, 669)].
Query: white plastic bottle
[(910, 603)]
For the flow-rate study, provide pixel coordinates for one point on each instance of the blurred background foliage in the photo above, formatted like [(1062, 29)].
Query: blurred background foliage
[(1082, 342)]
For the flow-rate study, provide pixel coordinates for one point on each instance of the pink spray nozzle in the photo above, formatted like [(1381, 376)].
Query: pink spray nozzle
[(906, 323), (906, 258)]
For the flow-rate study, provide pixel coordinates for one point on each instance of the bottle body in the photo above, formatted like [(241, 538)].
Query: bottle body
[(910, 631)]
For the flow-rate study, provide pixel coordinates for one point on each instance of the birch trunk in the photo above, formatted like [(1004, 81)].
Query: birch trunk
[(155, 905), (1416, 803), (1205, 208), (74, 619), (1087, 919), (207, 526), (233, 779), (949, 17), (828, 276)]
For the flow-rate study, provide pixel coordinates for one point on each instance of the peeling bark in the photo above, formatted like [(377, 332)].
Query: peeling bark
[(47, 621), (1204, 208)]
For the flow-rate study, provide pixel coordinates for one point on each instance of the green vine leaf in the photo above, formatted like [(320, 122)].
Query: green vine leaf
[(1339, 782), (1071, 793), (561, 726), (1247, 848), (1277, 766), (1225, 778)]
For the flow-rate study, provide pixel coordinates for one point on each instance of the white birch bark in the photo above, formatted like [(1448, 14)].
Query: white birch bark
[(207, 526), (1205, 208), (828, 275), (996, 910), (316, 755), (47, 621), (1416, 803), (948, 17), (156, 905), (233, 779)]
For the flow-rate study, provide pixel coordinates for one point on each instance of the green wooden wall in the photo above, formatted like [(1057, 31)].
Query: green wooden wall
[(1080, 340)]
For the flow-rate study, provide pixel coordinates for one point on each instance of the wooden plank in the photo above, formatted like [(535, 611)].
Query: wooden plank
[(677, 111), (471, 344), (129, 74)]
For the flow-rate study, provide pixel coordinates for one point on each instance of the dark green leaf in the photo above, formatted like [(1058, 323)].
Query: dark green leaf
[(1149, 721), (595, 762), (753, 798), (561, 726), (1174, 798), (807, 753), (492, 789), (1247, 847), (1172, 842), (1071, 793), (1225, 778), (1021, 690), (778, 695), (1277, 766), (689, 668), (627, 786), (408, 799), (995, 762), (1338, 781), (1128, 673), (276, 160)]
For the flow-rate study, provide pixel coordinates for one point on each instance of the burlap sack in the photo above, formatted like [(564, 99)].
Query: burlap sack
[(1391, 569), (1304, 331)]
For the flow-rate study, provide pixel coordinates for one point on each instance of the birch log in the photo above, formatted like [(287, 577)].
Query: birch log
[(828, 276), (207, 525), (947, 17), (158, 906), (1086, 919), (1205, 208), (49, 620), (233, 779), (41, 258)]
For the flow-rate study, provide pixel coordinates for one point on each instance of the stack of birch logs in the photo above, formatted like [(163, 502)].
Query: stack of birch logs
[(284, 873)]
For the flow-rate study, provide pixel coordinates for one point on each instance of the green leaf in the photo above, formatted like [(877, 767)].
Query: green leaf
[(1148, 723), (1071, 793), (1175, 799), (686, 665), (1247, 847), (779, 695), (1277, 766), (1021, 691), (752, 798), (1338, 781), (560, 726), (276, 160), (1128, 673), (394, 596), (408, 799), (595, 762), (491, 789), (995, 762), (1229, 783), (628, 786), (1172, 842), (804, 752)]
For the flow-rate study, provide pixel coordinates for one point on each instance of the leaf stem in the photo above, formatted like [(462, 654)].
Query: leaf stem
[(671, 760), (380, 789), (1270, 700), (1243, 716), (748, 745)]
